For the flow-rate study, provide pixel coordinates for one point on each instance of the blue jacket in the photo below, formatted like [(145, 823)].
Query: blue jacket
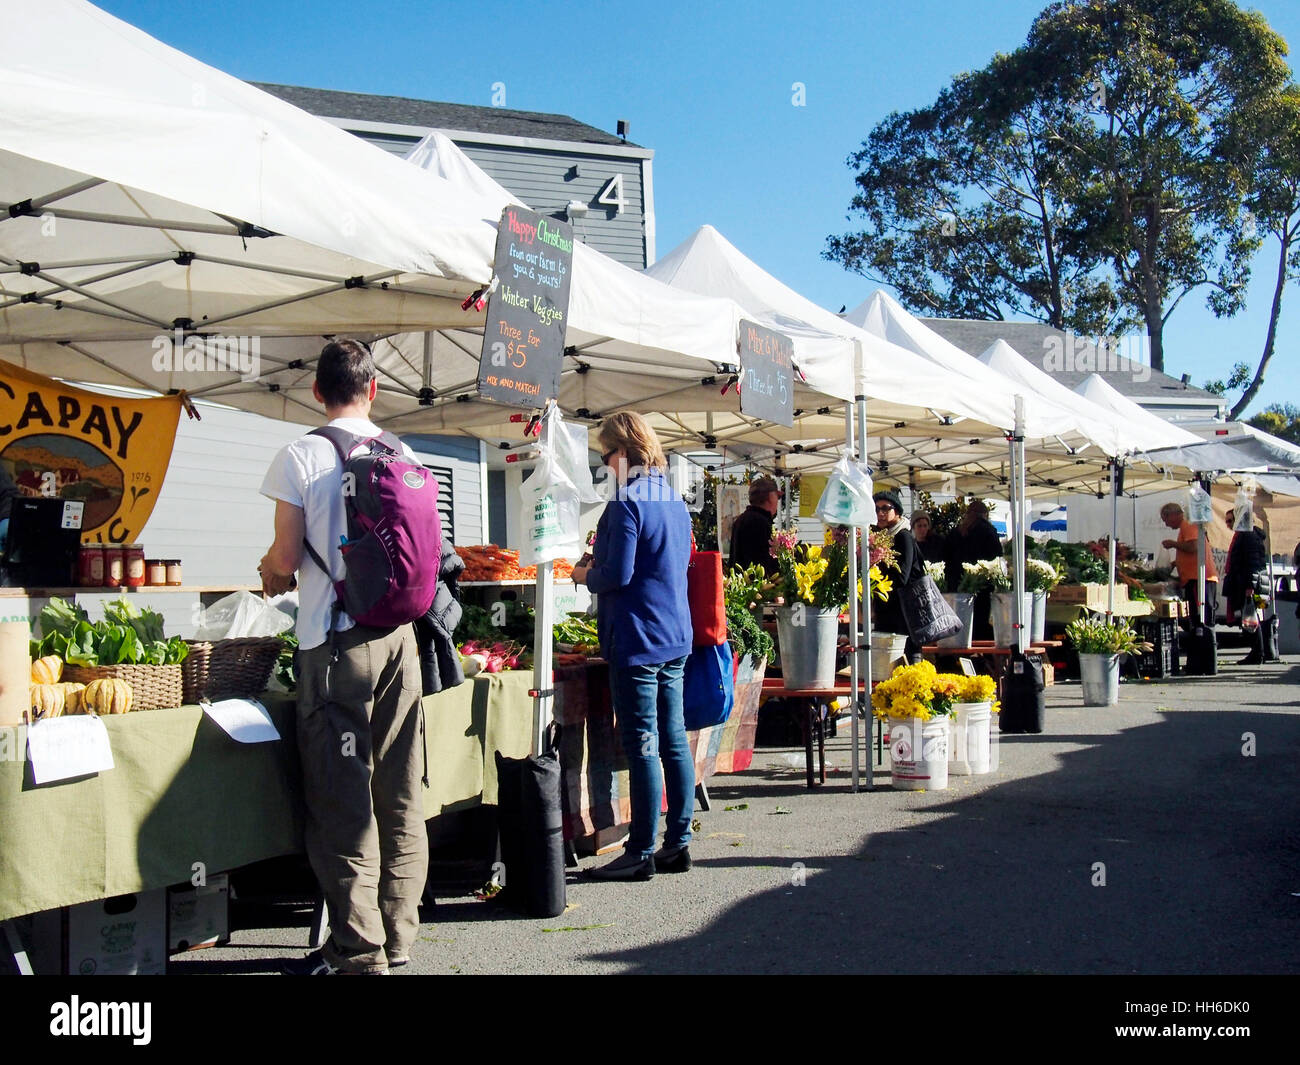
[(638, 569)]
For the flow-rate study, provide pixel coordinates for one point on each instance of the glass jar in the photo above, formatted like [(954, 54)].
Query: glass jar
[(90, 566), (114, 559), (173, 572), (133, 566), (155, 572)]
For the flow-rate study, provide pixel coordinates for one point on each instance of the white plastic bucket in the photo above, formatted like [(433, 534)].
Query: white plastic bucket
[(887, 649), (963, 605), (1038, 628), (970, 752), (1100, 677), (918, 753), (1004, 632)]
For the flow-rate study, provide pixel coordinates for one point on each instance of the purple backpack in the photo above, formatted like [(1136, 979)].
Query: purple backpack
[(394, 544)]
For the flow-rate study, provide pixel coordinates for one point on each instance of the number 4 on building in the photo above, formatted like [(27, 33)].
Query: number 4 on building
[(612, 194)]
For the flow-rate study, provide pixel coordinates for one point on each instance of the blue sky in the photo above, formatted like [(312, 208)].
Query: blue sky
[(709, 89)]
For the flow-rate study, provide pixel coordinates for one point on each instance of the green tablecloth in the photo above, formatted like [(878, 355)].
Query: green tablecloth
[(181, 791)]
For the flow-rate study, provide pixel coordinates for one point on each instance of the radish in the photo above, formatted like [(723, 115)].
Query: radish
[(494, 664), (468, 647), (512, 662)]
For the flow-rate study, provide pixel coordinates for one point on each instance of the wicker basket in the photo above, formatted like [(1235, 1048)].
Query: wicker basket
[(238, 668), (152, 687)]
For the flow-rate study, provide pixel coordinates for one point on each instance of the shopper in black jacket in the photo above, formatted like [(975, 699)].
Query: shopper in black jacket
[(887, 615), (1247, 558), (974, 540)]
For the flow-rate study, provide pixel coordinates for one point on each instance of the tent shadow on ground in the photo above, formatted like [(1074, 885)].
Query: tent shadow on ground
[(1159, 849)]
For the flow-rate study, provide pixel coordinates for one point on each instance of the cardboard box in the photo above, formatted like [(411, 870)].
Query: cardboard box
[(1093, 596), (198, 916), (122, 936)]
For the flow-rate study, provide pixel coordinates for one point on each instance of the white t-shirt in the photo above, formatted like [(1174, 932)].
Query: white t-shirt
[(308, 474)]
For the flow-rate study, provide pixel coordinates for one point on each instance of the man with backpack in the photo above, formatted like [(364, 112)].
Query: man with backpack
[(339, 508)]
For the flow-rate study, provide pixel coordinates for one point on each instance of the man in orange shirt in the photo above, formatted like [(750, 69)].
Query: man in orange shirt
[(1184, 548)]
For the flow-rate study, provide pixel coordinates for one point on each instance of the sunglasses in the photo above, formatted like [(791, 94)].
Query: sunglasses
[(884, 506), (604, 459)]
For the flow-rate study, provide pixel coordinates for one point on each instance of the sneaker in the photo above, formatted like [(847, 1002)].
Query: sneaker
[(316, 964), (398, 962), (672, 859), (625, 867)]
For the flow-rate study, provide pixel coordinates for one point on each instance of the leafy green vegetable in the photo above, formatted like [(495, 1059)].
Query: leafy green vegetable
[(126, 636)]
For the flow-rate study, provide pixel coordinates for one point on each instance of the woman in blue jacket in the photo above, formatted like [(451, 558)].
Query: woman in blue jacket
[(641, 554)]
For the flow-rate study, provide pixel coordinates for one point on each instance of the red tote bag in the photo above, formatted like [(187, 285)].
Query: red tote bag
[(704, 594)]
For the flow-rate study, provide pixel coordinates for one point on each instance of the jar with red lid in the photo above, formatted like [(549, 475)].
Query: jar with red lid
[(133, 566)]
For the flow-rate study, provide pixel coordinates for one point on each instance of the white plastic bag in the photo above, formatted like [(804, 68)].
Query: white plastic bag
[(551, 512), (241, 614), (1199, 508), (1243, 506), (847, 498)]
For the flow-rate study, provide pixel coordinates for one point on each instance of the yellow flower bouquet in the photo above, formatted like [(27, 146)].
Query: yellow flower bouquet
[(918, 691), (979, 689)]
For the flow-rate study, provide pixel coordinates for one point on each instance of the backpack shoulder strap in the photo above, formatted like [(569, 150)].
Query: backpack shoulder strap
[(344, 442)]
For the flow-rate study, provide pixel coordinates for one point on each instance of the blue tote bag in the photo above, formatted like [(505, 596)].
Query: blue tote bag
[(708, 689)]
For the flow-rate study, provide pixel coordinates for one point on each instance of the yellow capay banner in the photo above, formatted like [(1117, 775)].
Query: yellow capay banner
[(63, 442)]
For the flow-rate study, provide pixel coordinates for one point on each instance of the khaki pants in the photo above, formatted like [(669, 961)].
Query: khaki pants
[(361, 742)]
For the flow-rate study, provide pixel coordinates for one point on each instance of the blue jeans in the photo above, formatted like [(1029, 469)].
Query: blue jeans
[(648, 704)]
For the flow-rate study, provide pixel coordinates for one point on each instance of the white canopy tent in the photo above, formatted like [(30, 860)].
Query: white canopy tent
[(144, 189)]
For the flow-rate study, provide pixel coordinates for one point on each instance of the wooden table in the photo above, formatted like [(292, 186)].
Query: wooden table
[(811, 721)]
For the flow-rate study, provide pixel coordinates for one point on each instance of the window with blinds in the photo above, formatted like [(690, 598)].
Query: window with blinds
[(446, 499)]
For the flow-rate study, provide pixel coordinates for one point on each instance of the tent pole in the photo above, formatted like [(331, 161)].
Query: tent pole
[(1114, 530), (1200, 573), (854, 728), (862, 700), (1022, 630), (1016, 443), (543, 623)]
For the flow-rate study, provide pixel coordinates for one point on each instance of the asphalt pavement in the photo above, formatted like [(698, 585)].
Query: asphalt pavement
[(1156, 836)]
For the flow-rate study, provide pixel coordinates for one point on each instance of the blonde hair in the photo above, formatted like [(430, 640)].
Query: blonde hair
[(631, 432)]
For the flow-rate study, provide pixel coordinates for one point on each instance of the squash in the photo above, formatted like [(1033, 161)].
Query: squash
[(47, 670), (107, 696), (71, 696), (47, 700)]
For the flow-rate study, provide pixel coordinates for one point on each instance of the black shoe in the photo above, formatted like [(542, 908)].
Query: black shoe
[(672, 859), (315, 964), (625, 867), (1251, 659)]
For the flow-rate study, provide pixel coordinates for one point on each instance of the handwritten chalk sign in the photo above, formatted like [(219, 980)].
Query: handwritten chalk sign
[(766, 374), (523, 336)]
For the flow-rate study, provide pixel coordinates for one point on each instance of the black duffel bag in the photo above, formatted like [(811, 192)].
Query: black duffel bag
[(530, 814)]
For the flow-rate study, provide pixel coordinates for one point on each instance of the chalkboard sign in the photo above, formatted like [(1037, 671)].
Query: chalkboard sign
[(766, 374), (523, 336)]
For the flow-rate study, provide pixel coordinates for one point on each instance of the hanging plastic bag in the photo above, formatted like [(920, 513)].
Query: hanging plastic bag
[(847, 498), (1243, 506), (1200, 510), (551, 511)]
